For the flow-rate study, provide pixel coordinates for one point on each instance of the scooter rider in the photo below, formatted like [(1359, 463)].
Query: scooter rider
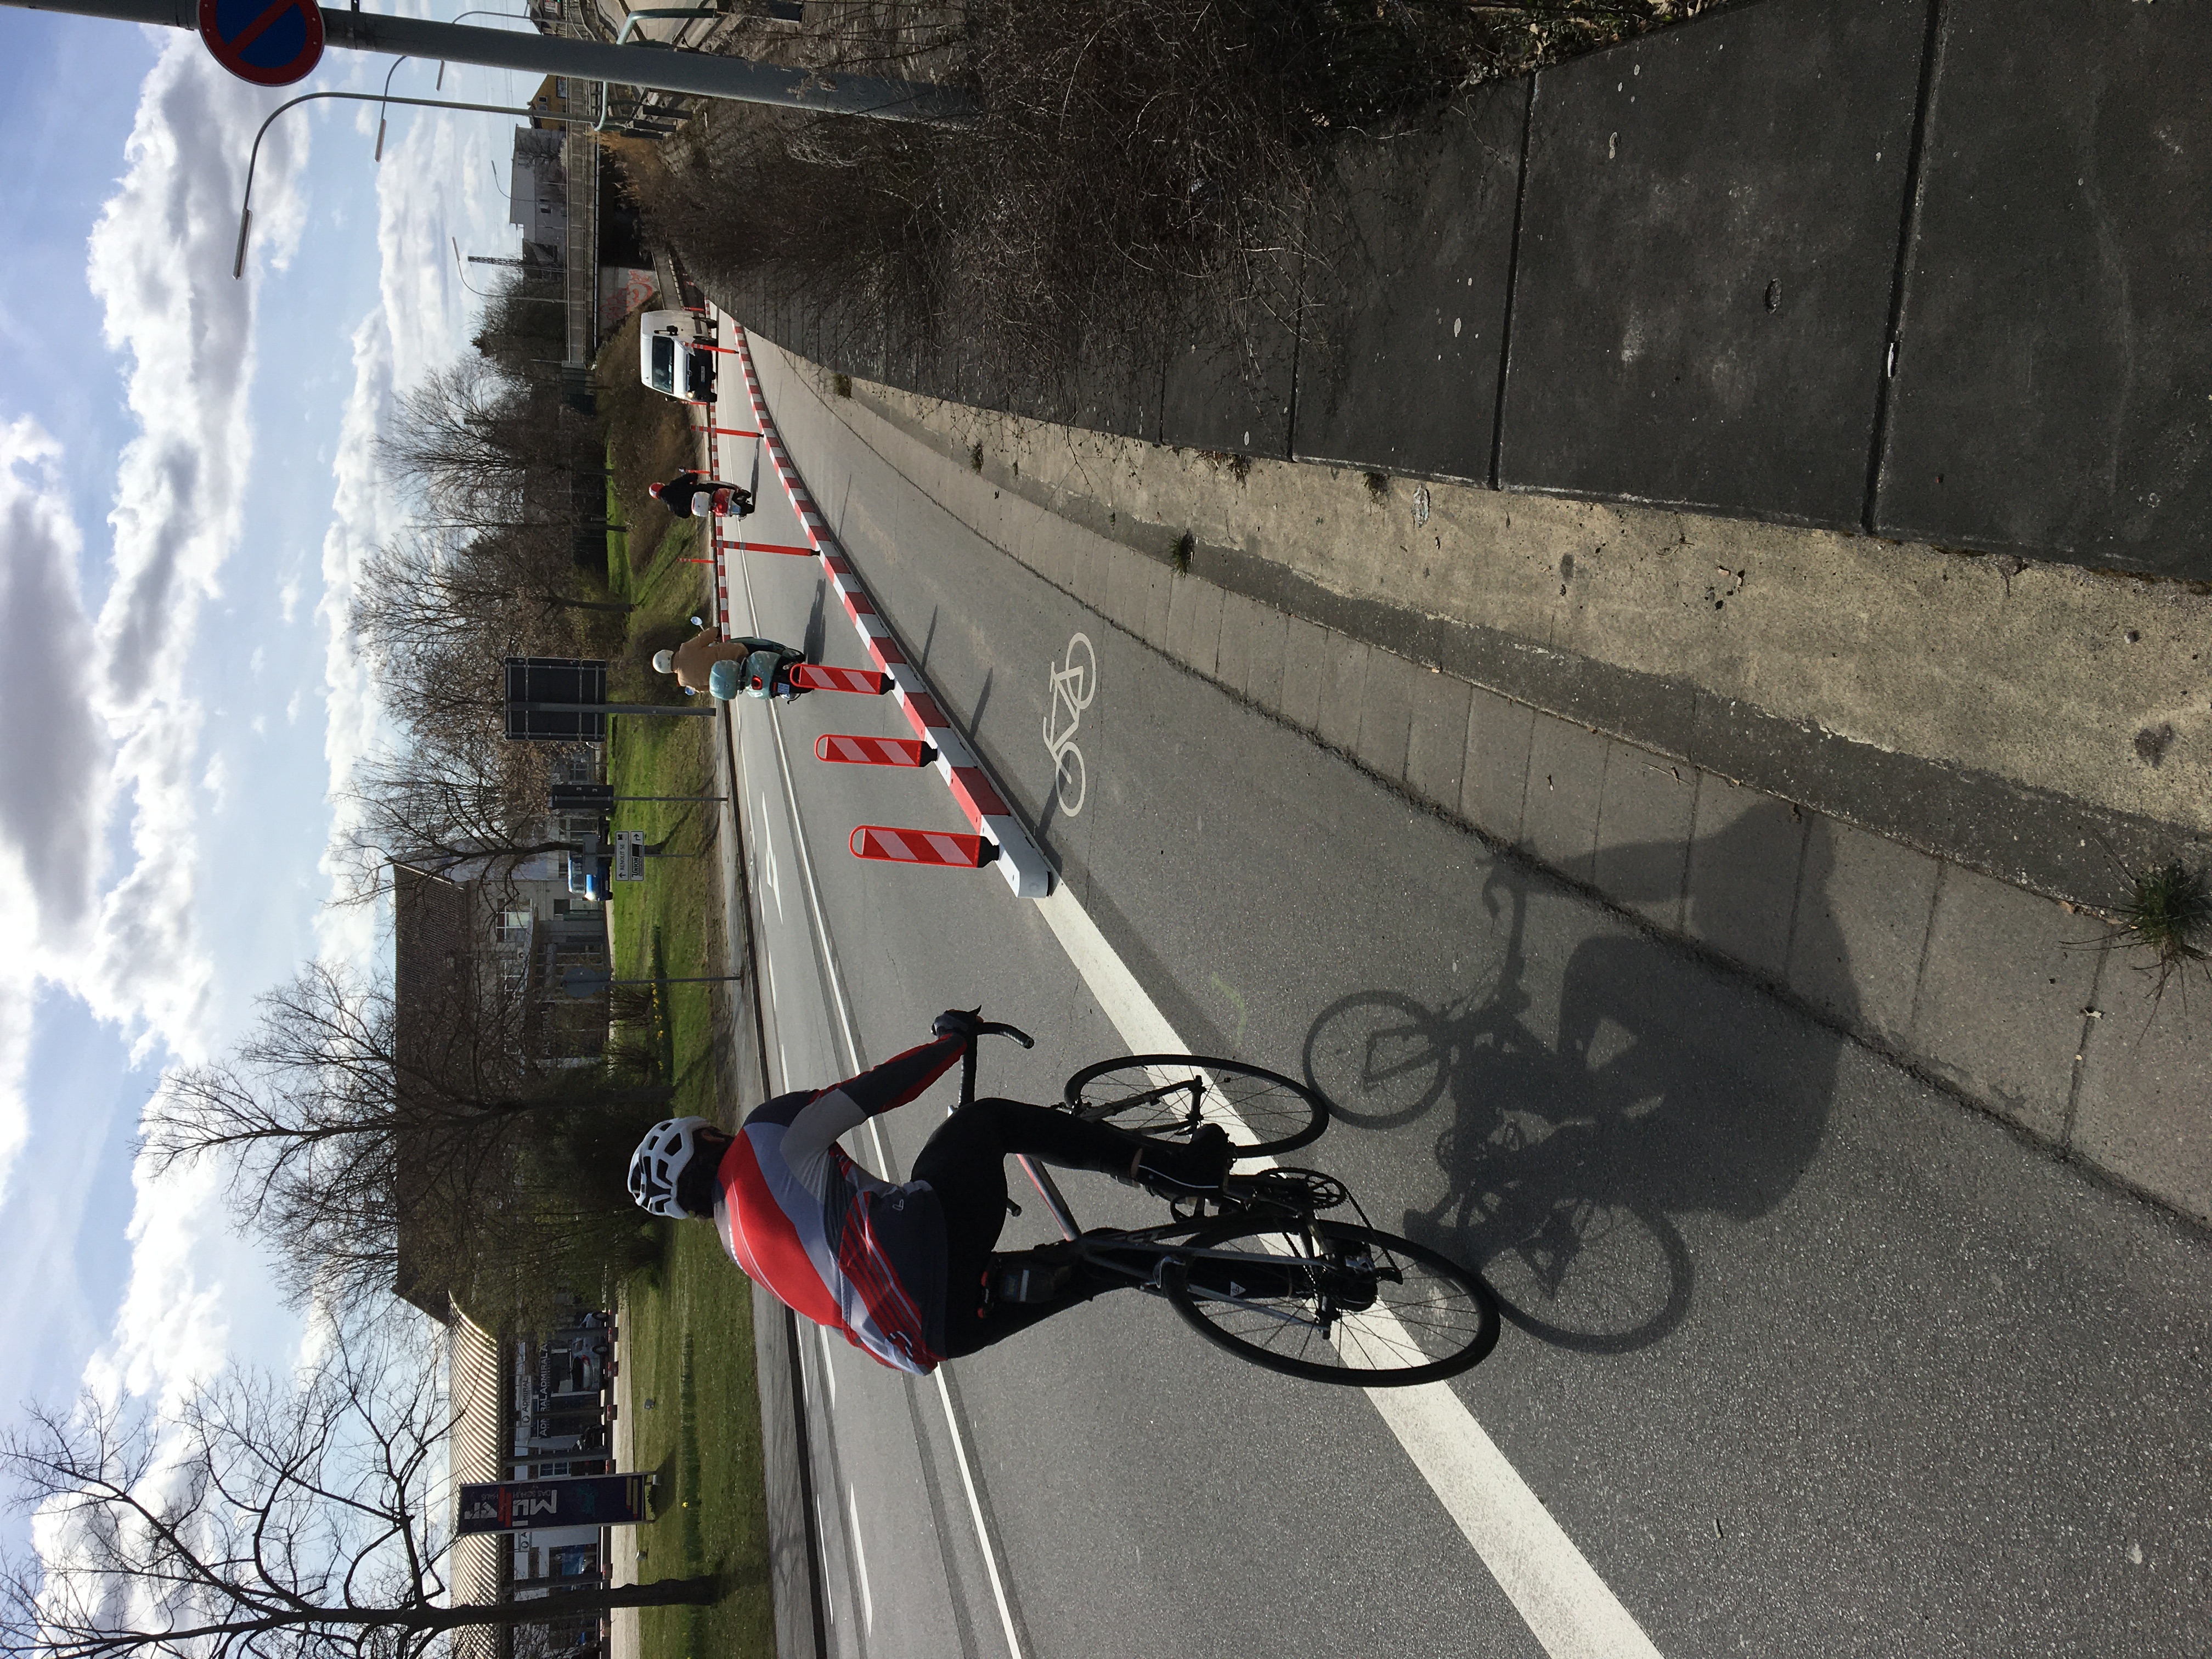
[(741, 667), (691, 495), (903, 1271)]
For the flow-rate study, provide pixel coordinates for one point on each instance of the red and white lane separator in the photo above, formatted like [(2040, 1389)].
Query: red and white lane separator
[(938, 846), (850, 749), (820, 677), (1018, 858), (740, 544)]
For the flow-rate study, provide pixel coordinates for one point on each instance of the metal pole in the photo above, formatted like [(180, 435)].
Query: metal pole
[(246, 207), (609, 708), (606, 93), (655, 68)]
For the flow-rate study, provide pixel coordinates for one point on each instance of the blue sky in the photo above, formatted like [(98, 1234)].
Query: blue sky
[(185, 488)]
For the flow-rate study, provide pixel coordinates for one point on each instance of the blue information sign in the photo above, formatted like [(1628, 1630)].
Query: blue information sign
[(272, 43)]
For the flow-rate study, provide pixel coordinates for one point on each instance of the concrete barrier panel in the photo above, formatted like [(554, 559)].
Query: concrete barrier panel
[(1708, 254), (2054, 369), (1405, 315)]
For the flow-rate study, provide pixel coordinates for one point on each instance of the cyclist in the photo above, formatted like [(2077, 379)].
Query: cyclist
[(732, 668), (906, 1272), (693, 496)]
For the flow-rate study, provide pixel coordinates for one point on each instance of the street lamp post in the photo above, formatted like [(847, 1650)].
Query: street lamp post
[(245, 208), (702, 74), (388, 74), (533, 299)]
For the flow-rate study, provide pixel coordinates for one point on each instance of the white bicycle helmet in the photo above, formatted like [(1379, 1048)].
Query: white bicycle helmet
[(660, 1157)]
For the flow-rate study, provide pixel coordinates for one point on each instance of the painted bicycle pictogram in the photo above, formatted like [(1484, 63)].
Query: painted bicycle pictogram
[(1074, 684)]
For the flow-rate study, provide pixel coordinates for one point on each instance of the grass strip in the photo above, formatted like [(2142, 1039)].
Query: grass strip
[(689, 1321)]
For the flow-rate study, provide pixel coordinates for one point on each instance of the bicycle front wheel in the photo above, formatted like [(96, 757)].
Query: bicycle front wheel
[(1263, 1111), (1331, 1302)]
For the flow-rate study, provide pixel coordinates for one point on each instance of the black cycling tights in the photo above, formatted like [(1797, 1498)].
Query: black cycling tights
[(965, 1163)]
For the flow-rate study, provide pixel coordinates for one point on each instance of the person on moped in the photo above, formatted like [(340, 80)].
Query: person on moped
[(727, 668), (908, 1272), (693, 495)]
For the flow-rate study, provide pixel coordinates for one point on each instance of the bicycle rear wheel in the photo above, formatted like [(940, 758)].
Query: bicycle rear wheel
[(1263, 1111), (1331, 1302)]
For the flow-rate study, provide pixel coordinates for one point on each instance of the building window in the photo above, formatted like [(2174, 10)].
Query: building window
[(513, 927)]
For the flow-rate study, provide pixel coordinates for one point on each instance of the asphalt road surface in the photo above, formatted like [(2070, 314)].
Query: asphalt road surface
[(1805, 1359)]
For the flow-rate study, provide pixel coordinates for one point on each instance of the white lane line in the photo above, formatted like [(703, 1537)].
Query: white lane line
[(860, 1560), (975, 1513), (1551, 1585), (821, 928), (829, 1370), (768, 846), (1568, 1607)]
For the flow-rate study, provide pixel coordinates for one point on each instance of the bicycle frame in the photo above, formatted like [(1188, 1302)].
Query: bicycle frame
[(1299, 1271), (1155, 1243)]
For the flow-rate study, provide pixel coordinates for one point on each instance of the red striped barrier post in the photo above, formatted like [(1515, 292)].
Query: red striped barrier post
[(849, 749), (818, 676), (736, 546), (731, 432), (1022, 863), (940, 847)]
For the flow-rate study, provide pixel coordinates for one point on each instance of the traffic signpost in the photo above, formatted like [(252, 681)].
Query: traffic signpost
[(272, 43), (564, 699), (629, 855), (601, 798), (585, 983)]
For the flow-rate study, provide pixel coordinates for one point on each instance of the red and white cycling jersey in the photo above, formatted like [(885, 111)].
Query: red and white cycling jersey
[(846, 1250)]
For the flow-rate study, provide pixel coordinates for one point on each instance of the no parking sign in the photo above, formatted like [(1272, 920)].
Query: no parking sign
[(272, 43)]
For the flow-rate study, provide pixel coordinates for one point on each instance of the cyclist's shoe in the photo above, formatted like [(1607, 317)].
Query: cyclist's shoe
[(1027, 1277), (1186, 1169)]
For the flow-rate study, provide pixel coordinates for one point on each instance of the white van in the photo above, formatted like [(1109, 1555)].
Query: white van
[(672, 357)]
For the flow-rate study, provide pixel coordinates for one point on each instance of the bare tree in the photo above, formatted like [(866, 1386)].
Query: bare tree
[(451, 800), (500, 592), (476, 445), (350, 1138), (259, 1519)]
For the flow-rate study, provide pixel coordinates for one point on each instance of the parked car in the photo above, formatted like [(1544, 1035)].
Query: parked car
[(589, 871), (674, 355)]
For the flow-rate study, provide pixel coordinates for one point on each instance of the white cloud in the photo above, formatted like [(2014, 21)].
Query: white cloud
[(426, 189), (160, 264), (120, 725), (55, 765), (173, 1330), (216, 780), (353, 721)]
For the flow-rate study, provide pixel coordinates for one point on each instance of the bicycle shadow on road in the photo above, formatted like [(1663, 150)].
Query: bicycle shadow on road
[(1588, 1097)]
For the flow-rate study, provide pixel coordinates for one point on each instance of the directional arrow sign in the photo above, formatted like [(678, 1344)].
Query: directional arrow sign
[(272, 43)]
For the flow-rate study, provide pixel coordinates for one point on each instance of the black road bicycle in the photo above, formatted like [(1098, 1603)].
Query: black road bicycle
[(1262, 1270)]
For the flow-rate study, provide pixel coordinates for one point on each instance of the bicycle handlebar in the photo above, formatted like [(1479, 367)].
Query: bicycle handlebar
[(985, 1028)]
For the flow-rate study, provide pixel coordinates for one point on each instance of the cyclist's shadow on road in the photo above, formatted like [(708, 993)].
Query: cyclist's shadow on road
[(1663, 1089)]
